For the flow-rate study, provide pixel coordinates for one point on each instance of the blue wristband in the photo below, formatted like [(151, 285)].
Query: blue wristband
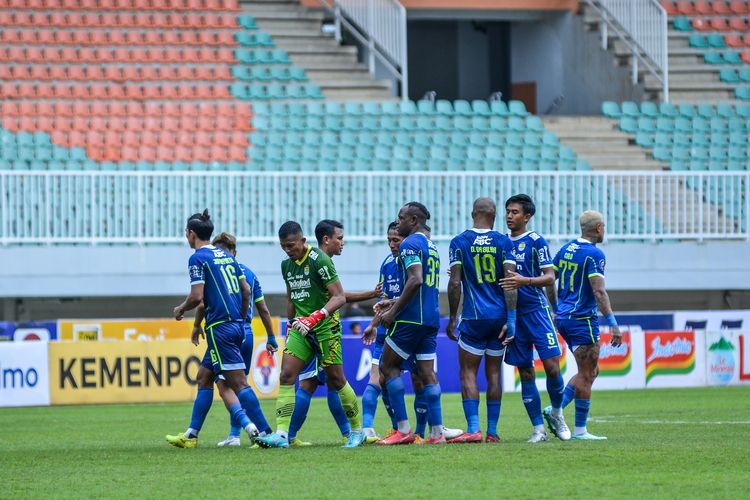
[(512, 315), (610, 320)]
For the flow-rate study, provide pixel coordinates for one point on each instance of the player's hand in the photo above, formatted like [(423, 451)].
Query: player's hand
[(368, 336), (378, 292), (387, 318), (178, 313), (381, 307), (307, 323), (197, 333), (513, 281), (508, 333), (271, 345), (616, 337), (450, 328)]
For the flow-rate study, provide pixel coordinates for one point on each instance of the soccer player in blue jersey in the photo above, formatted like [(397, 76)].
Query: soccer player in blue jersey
[(579, 266), (478, 258), (412, 321), (534, 326), (228, 243), (217, 281), (330, 236)]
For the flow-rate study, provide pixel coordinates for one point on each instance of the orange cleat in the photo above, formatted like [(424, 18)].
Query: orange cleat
[(398, 438), (467, 437), (437, 440), (491, 438)]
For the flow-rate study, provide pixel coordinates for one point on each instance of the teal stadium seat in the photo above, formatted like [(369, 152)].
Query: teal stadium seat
[(247, 21), (611, 109), (682, 24)]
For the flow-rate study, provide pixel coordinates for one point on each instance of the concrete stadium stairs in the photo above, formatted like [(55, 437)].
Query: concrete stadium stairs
[(335, 68)]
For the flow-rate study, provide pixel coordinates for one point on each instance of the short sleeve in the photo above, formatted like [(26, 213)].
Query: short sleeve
[(454, 253), (195, 270), (542, 250), (325, 269), (257, 290), (556, 260), (596, 264), (507, 248), (409, 253)]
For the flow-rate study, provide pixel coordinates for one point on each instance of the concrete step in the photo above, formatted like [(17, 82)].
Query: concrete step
[(284, 14), (344, 72), (312, 45), (693, 96), (350, 94), (354, 83), (273, 8), (332, 50), (272, 25), (305, 58)]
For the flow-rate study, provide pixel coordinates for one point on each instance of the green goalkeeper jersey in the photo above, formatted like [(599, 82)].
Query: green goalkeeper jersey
[(307, 280)]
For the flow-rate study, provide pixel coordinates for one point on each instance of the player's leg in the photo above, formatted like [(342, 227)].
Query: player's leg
[(332, 363), (235, 429), (493, 367), (420, 400), (398, 347), (201, 405), (587, 359), (308, 384), (371, 395), (426, 353), (553, 414), (387, 403), (569, 392), (336, 408)]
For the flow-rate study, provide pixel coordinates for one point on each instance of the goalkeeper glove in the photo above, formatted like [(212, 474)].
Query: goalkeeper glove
[(307, 323)]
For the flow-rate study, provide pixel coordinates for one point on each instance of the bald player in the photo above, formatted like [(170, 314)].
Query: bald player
[(579, 268), (479, 257)]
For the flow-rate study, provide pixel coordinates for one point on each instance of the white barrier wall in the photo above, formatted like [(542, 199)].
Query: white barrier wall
[(24, 374)]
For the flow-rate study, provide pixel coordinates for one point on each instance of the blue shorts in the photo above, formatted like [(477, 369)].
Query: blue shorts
[(408, 339), (579, 331), (534, 329), (312, 370), (224, 347), (480, 336), (247, 348)]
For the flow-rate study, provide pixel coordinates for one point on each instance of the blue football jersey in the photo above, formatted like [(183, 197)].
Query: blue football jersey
[(257, 292), (575, 263), (531, 253), (220, 275), (481, 254), (424, 308), (390, 279)]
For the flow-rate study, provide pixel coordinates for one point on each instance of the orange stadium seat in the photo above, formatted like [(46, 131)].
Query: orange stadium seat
[(720, 7), (719, 24), (27, 108), (10, 108), (701, 24), (685, 7), (738, 24), (703, 7), (27, 36), (739, 7)]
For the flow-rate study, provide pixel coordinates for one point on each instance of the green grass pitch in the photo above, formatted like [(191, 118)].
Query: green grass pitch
[(662, 443)]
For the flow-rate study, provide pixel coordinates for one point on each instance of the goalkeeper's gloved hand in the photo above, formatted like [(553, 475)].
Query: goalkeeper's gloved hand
[(307, 323)]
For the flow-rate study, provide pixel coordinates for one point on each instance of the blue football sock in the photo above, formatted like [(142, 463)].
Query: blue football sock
[(251, 405), (420, 408), (239, 415), (301, 406), (337, 410), (201, 405), (555, 387), (389, 408), (532, 401), (569, 394), (471, 412), (236, 428), (434, 410), (396, 397), (369, 405), (582, 411), (493, 415)]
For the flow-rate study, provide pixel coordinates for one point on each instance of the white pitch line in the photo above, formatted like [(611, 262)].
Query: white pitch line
[(670, 422)]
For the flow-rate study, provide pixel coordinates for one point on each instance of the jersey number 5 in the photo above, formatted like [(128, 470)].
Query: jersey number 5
[(230, 278), (567, 266)]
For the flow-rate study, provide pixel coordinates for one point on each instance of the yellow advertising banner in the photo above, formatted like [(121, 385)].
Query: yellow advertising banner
[(134, 329), (143, 372)]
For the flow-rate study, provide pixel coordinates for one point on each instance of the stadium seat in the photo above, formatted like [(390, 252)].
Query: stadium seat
[(611, 109), (682, 24)]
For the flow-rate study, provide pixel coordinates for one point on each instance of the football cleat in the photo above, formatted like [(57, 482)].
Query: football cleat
[(298, 442), (556, 425), (418, 440), (390, 432), (180, 441), (356, 438), (272, 441), (398, 438), (229, 441), (538, 437), (587, 436), (491, 438), (437, 440), (372, 439), (467, 437), (451, 433)]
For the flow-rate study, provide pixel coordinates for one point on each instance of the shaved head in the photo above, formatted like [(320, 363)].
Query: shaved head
[(484, 206), (589, 220)]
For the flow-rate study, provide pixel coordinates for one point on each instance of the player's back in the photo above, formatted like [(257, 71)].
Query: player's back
[(424, 308), (481, 253), (220, 275), (256, 291), (576, 262)]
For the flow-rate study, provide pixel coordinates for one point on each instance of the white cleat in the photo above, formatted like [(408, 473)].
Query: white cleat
[(538, 437), (556, 424), (451, 433), (229, 441), (587, 436)]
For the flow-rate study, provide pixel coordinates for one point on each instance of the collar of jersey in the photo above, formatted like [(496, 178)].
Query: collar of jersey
[(584, 240), (207, 245), (516, 238), (420, 232), (298, 262), (480, 231)]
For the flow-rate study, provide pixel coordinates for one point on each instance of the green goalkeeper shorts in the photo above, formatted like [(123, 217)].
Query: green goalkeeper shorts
[(328, 350)]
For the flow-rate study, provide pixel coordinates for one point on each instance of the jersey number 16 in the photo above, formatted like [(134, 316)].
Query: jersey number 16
[(230, 278)]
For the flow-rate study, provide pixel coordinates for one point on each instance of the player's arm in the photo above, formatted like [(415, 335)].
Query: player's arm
[(200, 313), (265, 317), (290, 309), (337, 298), (411, 288), (246, 294), (454, 298), (508, 332), (369, 333), (191, 301), (602, 301), (362, 296)]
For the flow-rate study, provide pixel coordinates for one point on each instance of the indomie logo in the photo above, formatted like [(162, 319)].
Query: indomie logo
[(18, 378), (615, 361), (669, 353)]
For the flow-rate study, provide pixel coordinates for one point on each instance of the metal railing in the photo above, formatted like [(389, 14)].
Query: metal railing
[(380, 25), (53, 207), (643, 27)]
